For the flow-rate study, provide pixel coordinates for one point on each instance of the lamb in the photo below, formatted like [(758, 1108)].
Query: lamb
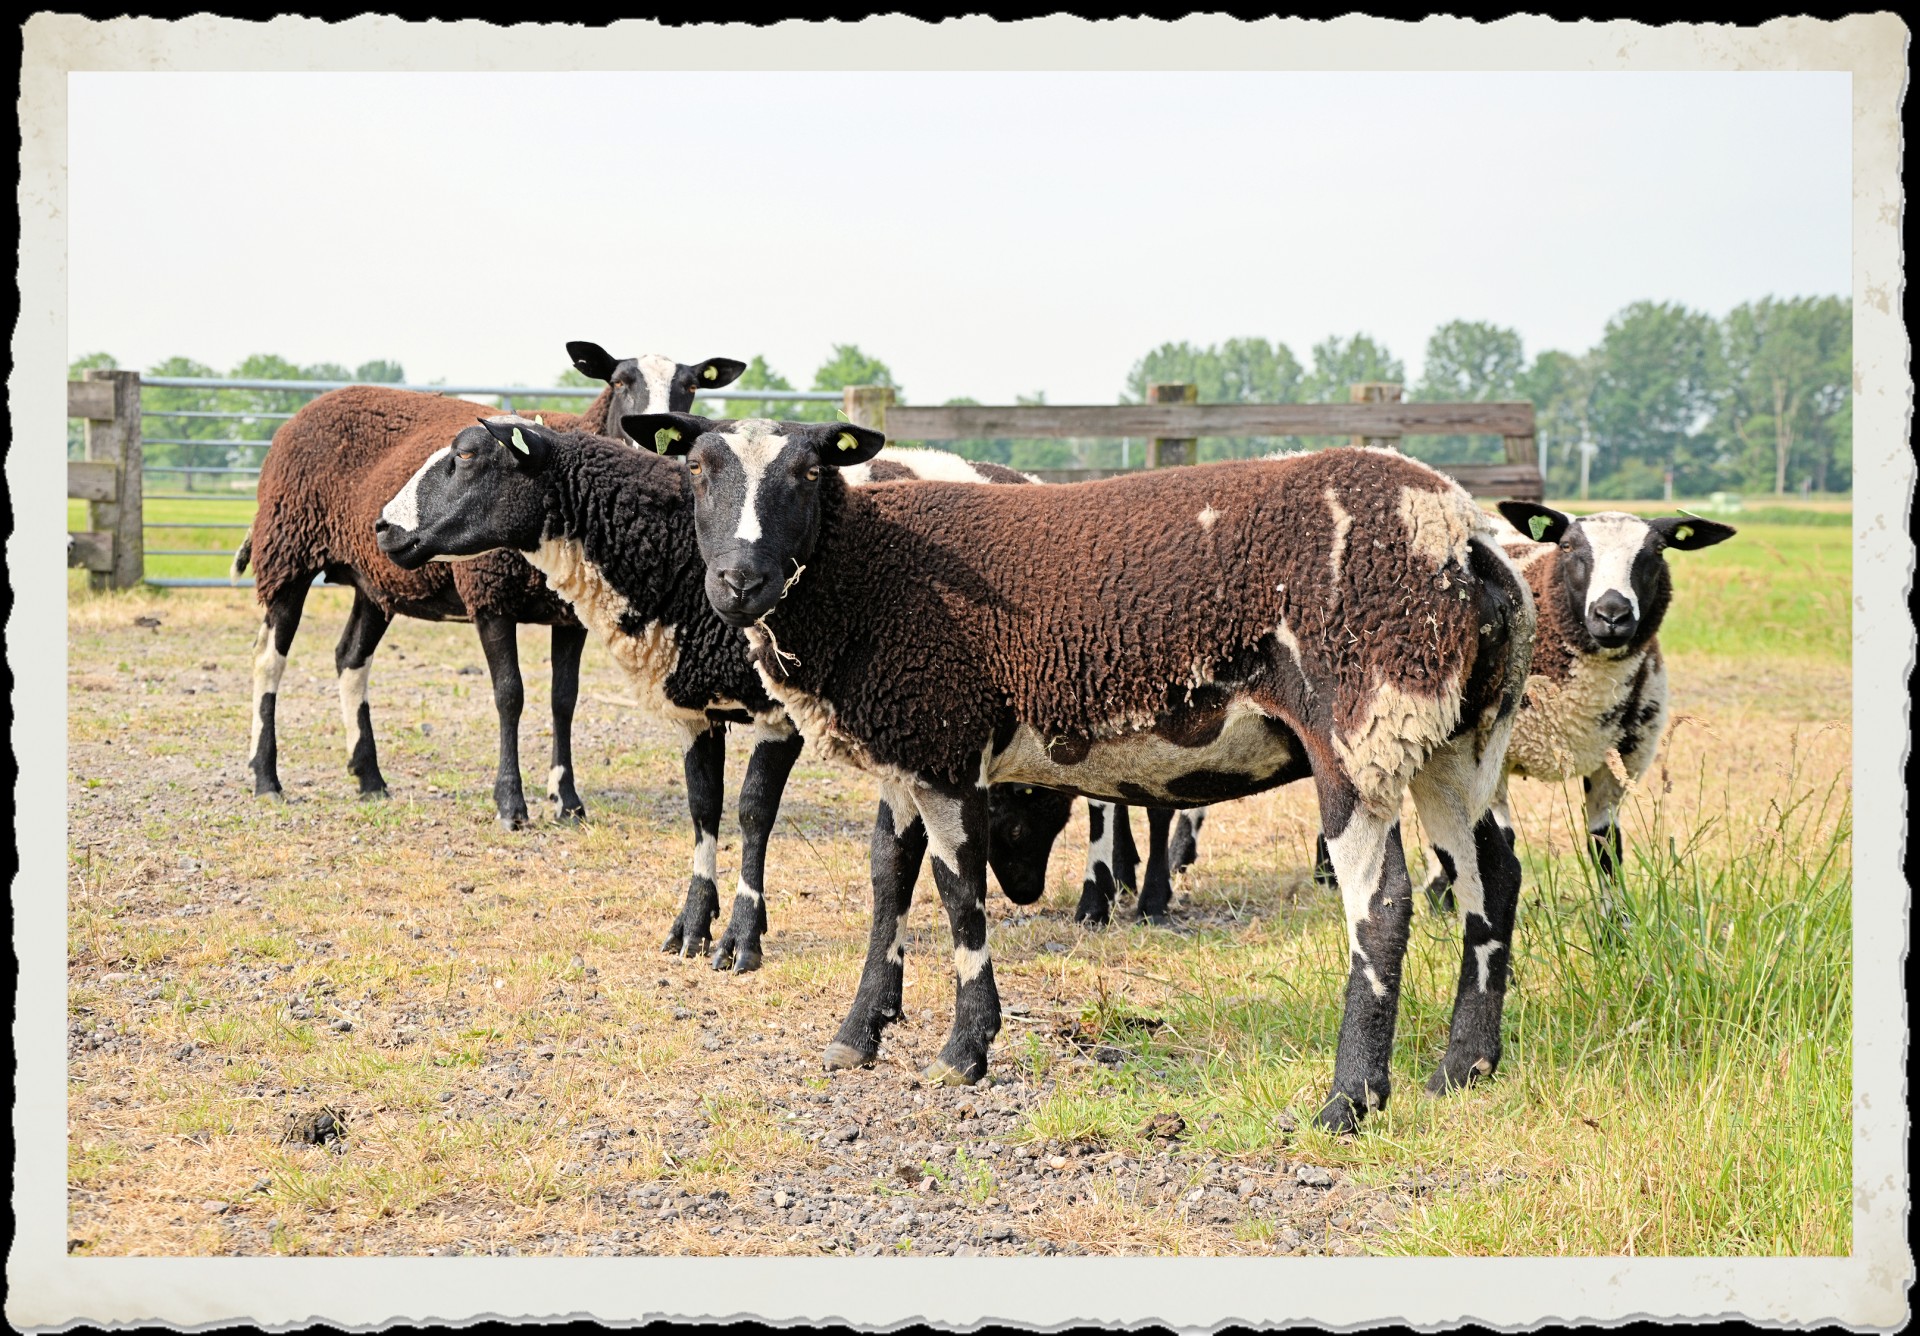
[(1040, 815), (1598, 684), (614, 537), (328, 471), (1210, 645)]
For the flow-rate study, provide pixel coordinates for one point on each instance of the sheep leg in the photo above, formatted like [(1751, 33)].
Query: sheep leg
[(705, 759), (1126, 855), (1486, 887), (1184, 850), (958, 823), (895, 857), (365, 625), (1097, 890), (1156, 892), (1367, 857), (500, 641), (775, 749), (269, 662), (568, 643), (1604, 793), (1439, 889), (1323, 873)]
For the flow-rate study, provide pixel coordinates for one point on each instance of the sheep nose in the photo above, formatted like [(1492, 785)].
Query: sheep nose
[(381, 526), (742, 583)]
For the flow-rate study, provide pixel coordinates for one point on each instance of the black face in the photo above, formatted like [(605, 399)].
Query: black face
[(756, 496), (651, 383), (1025, 823), (479, 494)]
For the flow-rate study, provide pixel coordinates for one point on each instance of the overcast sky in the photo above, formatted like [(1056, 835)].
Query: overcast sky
[(986, 234)]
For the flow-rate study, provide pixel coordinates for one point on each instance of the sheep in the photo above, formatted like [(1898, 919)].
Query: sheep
[(319, 491), (619, 547), (1598, 684), (1155, 638), (1112, 860)]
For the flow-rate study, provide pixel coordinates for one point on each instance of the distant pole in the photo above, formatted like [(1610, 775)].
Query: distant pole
[(1587, 451), (1171, 451), (1375, 392), (866, 405), (116, 441)]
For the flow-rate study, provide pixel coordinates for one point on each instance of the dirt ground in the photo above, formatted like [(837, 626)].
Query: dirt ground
[(520, 1070)]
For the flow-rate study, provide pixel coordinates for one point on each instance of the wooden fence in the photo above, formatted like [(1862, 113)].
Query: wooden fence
[(1171, 422)]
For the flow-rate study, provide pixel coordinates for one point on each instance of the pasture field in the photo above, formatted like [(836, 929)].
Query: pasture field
[(521, 1071)]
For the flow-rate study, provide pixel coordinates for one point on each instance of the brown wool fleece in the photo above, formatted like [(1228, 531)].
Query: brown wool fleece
[(331, 468), (933, 616)]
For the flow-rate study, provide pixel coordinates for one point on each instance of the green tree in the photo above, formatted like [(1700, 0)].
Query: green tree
[(77, 370), (1239, 371), (760, 376), (562, 403), (1468, 361), (1339, 364), (847, 366), (1559, 386), (1654, 386), (380, 372), (1786, 373)]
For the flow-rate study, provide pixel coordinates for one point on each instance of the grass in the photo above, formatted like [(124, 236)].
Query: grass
[(1685, 1091)]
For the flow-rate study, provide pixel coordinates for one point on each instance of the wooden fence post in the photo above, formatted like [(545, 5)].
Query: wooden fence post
[(1170, 451), (866, 405), (1375, 392), (113, 439)]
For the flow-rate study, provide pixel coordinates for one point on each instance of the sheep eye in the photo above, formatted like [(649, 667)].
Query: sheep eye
[(693, 466), (813, 474)]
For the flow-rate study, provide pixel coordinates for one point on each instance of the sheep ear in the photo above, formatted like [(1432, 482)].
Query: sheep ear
[(1687, 533), (665, 433), (842, 444), (592, 361), (1541, 523), (717, 371), (527, 446)]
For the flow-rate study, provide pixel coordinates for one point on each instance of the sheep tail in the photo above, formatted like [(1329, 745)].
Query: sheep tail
[(241, 556)]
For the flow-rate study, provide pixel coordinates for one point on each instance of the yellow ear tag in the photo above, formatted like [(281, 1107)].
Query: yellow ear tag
[(1537, 525), (846, 442), (1684, 532), (665, 437), (712, 373), (519, 442)]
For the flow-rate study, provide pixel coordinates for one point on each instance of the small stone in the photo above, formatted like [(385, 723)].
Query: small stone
[(341, 1026), (1312, 1176), (1057, 1163), (214, 1207), (1246, 1188), (445, 1097), (781, 1201), (261, 1184), (465, 888), (117, 976), (848, 1133), (681, 1014)]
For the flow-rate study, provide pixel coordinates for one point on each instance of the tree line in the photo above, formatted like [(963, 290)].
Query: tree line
[(1669, 401)]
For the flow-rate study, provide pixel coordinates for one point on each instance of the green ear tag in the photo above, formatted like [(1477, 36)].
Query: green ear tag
[(665, 437), (1537, 525), (519, 442), (539, 421), (711, 373), (1684, 532), (846, 441)]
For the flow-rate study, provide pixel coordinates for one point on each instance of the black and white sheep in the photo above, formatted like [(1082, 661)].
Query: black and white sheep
[(612, 533), (328, 472), (1343, 615), (1598, 684)]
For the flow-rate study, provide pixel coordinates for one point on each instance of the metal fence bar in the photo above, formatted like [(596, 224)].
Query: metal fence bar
[(490, 391), (203, 440), (195, 413), (191, 524), (201, 496), (172, 582)]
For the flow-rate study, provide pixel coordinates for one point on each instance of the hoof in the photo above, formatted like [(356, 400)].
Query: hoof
[(374, 795), (1458, 1073), (1157, 920), (745, 962), (273, 793), (1339, 1116), (570, 816), (940, 1072), (839, 1057), (508, 821)]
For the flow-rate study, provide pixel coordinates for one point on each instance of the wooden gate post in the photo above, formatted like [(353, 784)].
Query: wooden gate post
[(1170, 451), (1375, 392), (867, 405), (115, 440)]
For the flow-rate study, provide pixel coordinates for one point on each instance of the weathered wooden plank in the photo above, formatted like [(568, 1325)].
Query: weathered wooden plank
[(93, 482), (1172, 451), (94, 551), (90, 399), (909, 423), (114, 441)]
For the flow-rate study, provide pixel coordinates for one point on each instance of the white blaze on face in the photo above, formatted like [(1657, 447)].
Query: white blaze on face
[(656, 375), (1616, 539), (756, 445), (403, 512)]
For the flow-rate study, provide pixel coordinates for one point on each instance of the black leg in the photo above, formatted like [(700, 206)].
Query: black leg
[(1367, 857), (774, 752), (1473, 1042), (1156, 893), (365, 625), (899, 846), (1098, 889), (499, 639), (1323, 873), (1440, 887), (706, 770), (568, 642), (270, 648), (1184, 848), (1126, 858), (957, 832)]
